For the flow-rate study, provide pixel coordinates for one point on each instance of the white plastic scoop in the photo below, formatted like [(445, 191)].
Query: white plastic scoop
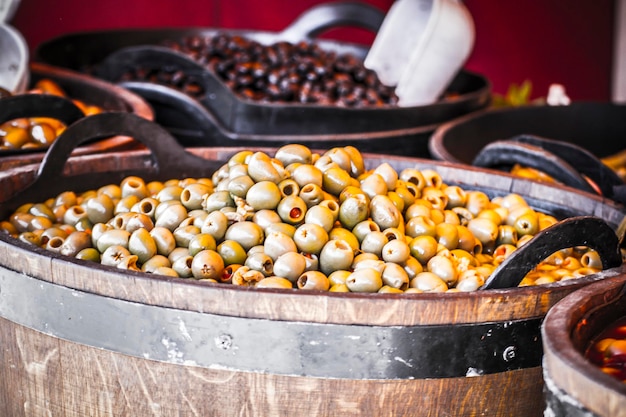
[(7, 9), (420, 47), (14, 74)]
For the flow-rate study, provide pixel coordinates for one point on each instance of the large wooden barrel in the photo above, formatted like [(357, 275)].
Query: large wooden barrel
[(83, 339)]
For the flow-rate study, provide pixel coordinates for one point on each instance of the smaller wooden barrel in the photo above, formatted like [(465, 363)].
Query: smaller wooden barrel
[(574, 386), (89, 90)]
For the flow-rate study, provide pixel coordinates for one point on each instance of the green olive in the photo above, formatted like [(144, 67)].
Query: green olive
[(436, 197), (339, 233), (232, 252), (526, 224), (321, 216), (412, 267), (447, 235), (388, 174), (146, 206), (335, 179), (262, 168), (310, 238), (142, 244), (364, 228), (193, 195), (239, 186), (290, 265), (415, 177), (264, 195), (89, 254), (484, 229), (396, 251), (374, 242), (477, 201), (199, 242), (305, 175), (113, 255), (353, 210), (313, 280), (182, 265), (423, 248), (66, 198), (207, 264), (184, 234), (157, 261), (428, 282), (114, 237), (274, 282), (336, 254), (432, 178), (338, 277), (74, 214), (384, 212), (591, 259), (311, 194), (215, 224), (419, 207), (134, 186), (293, 153), (74, 243), (247, 233), (364, 280), (164, 240), (507, 235), (288, 187), (171, 217), (395, 276), (374, 184), (170, 193), (278, 243), (134, 221), (444, 268), (470, 280), (292, 210), (246, 276), (288, 229), (218, 200), (420, 226)]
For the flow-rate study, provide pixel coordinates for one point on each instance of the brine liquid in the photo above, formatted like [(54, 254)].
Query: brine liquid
[(608, 350)]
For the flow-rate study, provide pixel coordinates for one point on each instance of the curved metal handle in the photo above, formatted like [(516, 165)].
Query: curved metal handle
[(319, 19), (576, 231), (39, 105), (184, 117), (508, 153), (168, 158), (580, 158), (218, 99)]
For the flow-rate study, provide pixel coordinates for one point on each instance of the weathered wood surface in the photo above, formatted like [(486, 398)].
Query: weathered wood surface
[(43, 375), (564, 343)]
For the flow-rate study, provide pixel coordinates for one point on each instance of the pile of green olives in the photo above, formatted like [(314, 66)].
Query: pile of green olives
[(300, 219)]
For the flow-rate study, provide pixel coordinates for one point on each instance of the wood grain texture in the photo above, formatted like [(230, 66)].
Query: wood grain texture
[(43, 375), (567, 332)]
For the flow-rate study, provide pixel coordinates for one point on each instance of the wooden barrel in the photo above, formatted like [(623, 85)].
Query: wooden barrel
[(82, 339), (574, 385)]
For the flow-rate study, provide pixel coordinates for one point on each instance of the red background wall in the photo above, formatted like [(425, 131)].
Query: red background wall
[(544, 41)]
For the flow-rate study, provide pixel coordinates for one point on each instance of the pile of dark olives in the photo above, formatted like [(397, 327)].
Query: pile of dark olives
[(280, 72), (299, 219)]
